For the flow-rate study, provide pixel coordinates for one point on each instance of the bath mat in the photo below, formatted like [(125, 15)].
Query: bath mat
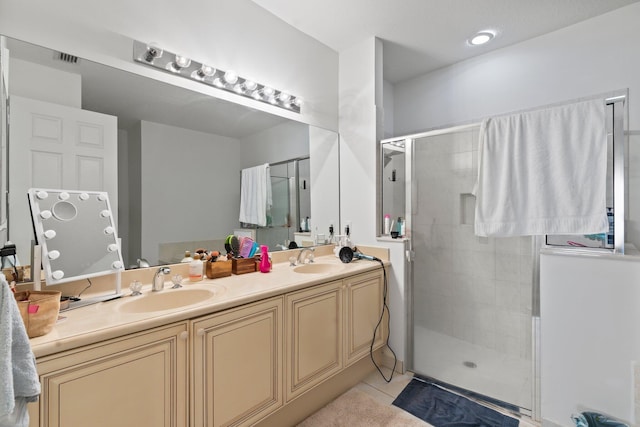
[(442, 408)]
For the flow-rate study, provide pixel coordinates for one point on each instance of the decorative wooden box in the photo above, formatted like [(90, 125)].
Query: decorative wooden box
[(243, 265), (216, 269)]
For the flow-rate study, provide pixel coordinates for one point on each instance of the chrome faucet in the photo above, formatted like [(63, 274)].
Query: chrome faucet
[(301, 258), (158, 279)]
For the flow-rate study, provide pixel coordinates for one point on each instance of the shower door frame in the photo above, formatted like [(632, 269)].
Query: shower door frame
[(410, 194)]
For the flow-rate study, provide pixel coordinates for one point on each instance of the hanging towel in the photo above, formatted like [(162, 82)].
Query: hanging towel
[(18, 376), (543, 172), (255, 195)]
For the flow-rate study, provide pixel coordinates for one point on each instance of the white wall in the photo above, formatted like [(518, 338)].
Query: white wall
[(282, 142), (175, 188), (591, 57), (35, 81), (236, 35)]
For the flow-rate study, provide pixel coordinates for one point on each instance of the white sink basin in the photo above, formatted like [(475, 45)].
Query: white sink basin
[(167, 300), (316, 268)]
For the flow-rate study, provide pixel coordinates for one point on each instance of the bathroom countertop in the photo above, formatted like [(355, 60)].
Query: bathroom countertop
[(105, 320)]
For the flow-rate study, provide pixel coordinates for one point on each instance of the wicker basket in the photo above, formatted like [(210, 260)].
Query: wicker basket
[(39, 310)]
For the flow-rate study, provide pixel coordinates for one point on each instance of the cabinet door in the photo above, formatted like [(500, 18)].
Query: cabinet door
[(237, 365), (314, 336), (363, 308), (140, 380)]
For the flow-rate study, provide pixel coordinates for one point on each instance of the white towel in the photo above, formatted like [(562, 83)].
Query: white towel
[(18, 375), (255, 195), (543, 172)]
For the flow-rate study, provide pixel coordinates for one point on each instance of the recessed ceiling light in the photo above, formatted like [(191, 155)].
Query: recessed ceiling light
[(481, 38)]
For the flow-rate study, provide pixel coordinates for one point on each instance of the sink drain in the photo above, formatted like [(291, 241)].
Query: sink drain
[(469, 364)]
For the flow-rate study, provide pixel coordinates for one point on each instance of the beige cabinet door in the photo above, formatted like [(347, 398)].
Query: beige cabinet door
[(140, 380), (363, 308), (313, 337), (237, 365)]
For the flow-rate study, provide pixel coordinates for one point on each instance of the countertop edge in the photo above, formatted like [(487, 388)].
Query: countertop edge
[(62, 340)]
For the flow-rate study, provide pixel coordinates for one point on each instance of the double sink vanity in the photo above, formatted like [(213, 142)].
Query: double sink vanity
[(241, 350)]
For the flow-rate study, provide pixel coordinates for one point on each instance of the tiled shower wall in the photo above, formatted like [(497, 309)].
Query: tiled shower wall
[(475, 289)]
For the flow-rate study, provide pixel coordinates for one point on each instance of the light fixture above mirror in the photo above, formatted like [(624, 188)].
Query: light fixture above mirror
[(154, 56)]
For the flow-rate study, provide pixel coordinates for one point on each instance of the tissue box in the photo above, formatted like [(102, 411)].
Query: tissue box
[(217, 269), (243, 265)]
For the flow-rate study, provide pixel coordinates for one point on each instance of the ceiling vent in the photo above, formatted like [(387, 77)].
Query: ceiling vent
[(65, 57)]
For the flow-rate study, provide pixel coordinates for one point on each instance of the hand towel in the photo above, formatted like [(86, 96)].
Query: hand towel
[(543, 172), (255, 195), (18, 375)]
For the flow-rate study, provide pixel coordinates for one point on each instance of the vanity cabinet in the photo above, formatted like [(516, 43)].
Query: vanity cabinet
[(363, 300), (138, 380), (234, 367), (329, 328), (237, 365), (314, 336)]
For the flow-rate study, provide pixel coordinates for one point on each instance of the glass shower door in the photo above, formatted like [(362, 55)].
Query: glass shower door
[(471, 296)]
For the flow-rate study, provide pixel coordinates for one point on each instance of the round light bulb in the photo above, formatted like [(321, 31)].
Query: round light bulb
[(250, 84), (112, 247), (83, 196), (102, 197), (109, 230), (42, 195), (105, 213), (49, 234), (284, 97), (53, 255), (268, 91), (45, 214), (218, 82), (58, 274), (182, 61), (63, 196), (231, 77), (116, 265)]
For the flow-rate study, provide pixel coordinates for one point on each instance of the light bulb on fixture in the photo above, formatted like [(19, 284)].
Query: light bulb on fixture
[(284, 97), (268, 91), (203, 72), (231, 77), (218, 82), (179, 63), (153, 52)]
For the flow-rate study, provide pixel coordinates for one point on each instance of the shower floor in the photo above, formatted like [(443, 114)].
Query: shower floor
[(497, 375)]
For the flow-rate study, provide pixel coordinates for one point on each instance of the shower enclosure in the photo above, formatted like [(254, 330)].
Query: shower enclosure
[(290, 189), (471, 297)]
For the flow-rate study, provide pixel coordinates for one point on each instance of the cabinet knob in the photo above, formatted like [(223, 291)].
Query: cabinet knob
[(184, 335), (200, 332)]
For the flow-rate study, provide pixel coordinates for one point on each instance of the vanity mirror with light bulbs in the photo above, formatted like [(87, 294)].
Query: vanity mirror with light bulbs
[(174, 175), (57, 216)]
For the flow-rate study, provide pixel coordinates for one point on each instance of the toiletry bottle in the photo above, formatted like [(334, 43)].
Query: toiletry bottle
[(195, 269), (265, 264), (387, 224), (187, 257)]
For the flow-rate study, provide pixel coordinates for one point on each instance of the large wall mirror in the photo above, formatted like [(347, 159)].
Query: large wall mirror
[(170, 158)]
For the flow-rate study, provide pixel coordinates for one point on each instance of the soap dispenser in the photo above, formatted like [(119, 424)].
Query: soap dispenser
[(265, 264), (195, 269)]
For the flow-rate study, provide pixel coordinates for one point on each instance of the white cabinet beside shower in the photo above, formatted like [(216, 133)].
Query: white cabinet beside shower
[(590, 334)]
